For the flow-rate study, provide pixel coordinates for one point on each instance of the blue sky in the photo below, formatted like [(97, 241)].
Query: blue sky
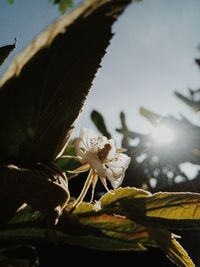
[(151, 55)]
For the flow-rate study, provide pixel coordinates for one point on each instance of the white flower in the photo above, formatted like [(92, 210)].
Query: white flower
[(100, 155)]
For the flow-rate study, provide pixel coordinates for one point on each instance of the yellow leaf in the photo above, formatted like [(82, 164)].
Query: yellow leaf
[(171, 247), (123, 193), (176, 206)]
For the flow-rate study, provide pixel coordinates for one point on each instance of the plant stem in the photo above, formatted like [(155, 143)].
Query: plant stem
[(85, 189)]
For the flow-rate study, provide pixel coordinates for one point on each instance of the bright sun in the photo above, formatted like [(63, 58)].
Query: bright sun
[(162, 135)]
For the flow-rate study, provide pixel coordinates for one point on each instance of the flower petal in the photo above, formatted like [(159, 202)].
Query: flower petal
[(113, 150), (89, 141), (79, 151), (120, 160), (116, 182), (115, 169), (88, 137), (115, 176)]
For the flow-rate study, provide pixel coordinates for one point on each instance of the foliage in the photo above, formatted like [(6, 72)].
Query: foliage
[(63, 4), (161, 163), (46, 96), (5, 51), (19, 256), (129, 219), (98, 120), (10, 1)]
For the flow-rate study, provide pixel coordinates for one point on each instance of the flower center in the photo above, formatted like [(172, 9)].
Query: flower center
[(103, 153)]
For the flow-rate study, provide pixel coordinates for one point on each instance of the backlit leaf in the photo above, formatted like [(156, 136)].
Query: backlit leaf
[(117, 231), (119, 194), (179, 206), (171, 247), (178, 211), (129, 219)]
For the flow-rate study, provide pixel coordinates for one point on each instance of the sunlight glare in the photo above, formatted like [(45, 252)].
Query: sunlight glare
[(162, 134)]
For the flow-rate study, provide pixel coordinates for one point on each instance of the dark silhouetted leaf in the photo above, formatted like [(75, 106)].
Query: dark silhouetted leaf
[(197, 60), (5, 51), (46, 85), (41, 95), (188, 101), (8, 262), (99, 122), (19, 256)]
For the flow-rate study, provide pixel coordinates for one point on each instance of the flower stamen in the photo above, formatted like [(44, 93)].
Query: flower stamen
[(85, 167), (94, 182), (103, 153), (86, 186)]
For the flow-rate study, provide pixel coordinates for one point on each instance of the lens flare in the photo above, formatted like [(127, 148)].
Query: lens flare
[(162, 135)]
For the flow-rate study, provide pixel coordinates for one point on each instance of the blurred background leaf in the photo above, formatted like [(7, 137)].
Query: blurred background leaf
[(99, 122), (158, 157), (63, 4), (5, 51)]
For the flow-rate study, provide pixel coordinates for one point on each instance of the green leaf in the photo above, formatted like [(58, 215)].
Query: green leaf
[(119, 228), (114, 198), (129, 219), (5, 51), (25, 225), (99, 122), (124, 192), (101, 243), (126, 213), (26, 214), (124, 222), (178, 211), (179, 206), (171, 247), (10, 1), (66, 161), (95, 228), (85, 227), (64, 5)]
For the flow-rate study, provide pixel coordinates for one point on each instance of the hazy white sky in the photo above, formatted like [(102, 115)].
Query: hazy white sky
[(151, 55)]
